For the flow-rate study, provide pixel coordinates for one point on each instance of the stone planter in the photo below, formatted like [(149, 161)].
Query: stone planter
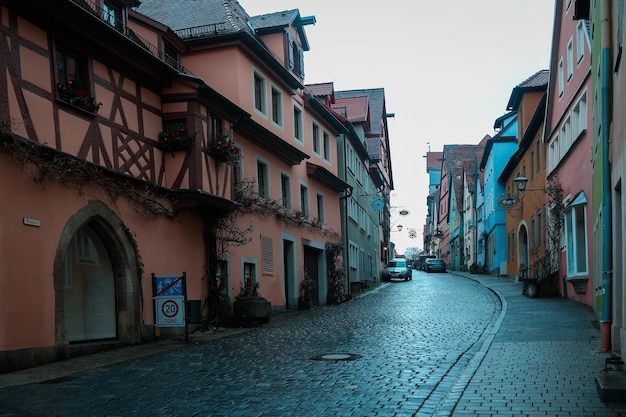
[(252, 310)]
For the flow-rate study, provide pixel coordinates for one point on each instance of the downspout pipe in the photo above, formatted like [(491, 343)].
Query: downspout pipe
[(605, 74)]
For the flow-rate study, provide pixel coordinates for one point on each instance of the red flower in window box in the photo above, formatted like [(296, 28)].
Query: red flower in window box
[(176, 140), (223, 150), (70, 92)]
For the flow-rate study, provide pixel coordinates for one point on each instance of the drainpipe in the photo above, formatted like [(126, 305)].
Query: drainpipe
[(605, 63), (345, 197)]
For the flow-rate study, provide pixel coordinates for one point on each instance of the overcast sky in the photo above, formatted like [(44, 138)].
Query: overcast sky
[(447, 67)]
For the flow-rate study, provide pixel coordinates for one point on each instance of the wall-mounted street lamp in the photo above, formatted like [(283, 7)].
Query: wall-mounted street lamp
[(400, 227), (520, 183)]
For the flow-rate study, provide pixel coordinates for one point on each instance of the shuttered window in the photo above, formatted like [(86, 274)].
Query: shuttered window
[(267, 262)]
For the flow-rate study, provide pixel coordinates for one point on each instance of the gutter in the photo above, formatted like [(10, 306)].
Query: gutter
[(607, 273)]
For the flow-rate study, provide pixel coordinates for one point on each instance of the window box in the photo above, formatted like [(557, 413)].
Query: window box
[(77, 97), (223, 150), (173, 141)]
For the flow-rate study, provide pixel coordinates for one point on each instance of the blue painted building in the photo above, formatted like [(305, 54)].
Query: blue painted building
[(498, 150)]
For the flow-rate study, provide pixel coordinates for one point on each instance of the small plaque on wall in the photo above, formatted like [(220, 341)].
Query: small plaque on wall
[(32, 222)]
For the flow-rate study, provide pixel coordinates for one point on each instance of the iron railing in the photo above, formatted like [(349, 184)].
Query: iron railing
[(121, 27)]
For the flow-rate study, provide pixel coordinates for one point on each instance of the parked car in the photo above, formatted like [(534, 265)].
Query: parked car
[(435, 265), (397, 268), (421, 260)]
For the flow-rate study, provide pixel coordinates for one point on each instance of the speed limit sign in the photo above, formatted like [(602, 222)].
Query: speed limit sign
[(170, 311)]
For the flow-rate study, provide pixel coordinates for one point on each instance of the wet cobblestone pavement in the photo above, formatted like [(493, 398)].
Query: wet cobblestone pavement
[(412, 342)]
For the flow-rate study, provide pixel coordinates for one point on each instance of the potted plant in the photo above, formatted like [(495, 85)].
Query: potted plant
[(250, 305), (176, 140), (72, 93), (223, 150), (307, 286)]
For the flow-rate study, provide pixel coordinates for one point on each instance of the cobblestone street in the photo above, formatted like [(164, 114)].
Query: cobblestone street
[(406, 345)]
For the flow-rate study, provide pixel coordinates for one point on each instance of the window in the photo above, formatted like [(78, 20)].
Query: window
[(326, 146), (304, 200), (576, 239), (539, 233), (216, 127), (296, 57), (221, 275), (570, 59), (532, 231), (353, 253), (285, 190), (71, 67), (262, 179), (249, 273), (277, 107), (352, 209), (267, 250), (86, 251), (174, 126), (560, 77), (259, 93), (580, 41), (566, 135), (297, 124), (112, 14), (538, 156), (554, 153), (171, 55), (316, 138), (579, 116), (321, 216)]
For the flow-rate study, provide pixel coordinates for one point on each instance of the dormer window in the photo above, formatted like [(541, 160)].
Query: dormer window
[(112, 14), (296, 57)]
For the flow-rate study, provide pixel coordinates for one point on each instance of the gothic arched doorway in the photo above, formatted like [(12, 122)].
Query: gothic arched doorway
[(96, 281)]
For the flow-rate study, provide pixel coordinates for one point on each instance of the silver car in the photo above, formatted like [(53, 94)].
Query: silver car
[(397, 269)]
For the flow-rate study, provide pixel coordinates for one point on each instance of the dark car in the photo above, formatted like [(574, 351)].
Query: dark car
[(434, 265), (421, 261), (397, 268)]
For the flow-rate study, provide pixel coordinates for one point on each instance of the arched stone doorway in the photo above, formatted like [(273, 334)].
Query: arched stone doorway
[(89, 288), (522, 246), (96, 281)]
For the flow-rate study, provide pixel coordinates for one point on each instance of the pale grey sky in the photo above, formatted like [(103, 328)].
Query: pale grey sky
[(447, 67)]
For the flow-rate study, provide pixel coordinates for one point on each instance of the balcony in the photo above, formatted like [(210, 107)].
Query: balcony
[(121, 27)]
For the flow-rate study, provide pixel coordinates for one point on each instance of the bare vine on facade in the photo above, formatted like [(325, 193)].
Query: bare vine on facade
[(555, 222), (43, 164), (247, 194)]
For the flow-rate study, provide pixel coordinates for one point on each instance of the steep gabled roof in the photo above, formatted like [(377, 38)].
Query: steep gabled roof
[(278, 21), (354, 109), (433, 160), (376, 97), (536, 82), (185, 14), (322, 90), (455, 157), (206, 22), (535, 125)]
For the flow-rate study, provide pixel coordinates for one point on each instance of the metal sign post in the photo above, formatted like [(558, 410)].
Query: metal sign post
[(170, 298)]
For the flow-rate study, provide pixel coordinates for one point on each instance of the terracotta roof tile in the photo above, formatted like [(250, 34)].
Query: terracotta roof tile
[(355, 109)]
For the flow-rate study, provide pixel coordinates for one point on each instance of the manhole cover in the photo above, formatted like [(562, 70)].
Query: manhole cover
[(334, 357)]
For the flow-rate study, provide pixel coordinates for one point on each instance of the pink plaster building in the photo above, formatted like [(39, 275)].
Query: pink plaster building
[(569, 143), (110, 118)]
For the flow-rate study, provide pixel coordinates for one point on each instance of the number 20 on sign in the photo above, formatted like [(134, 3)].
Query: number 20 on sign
[(170, 311)]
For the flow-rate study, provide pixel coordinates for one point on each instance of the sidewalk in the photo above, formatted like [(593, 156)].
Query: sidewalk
[(542, 359)]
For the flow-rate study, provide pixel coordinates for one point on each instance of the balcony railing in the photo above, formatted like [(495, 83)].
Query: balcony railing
[(121, 27)]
